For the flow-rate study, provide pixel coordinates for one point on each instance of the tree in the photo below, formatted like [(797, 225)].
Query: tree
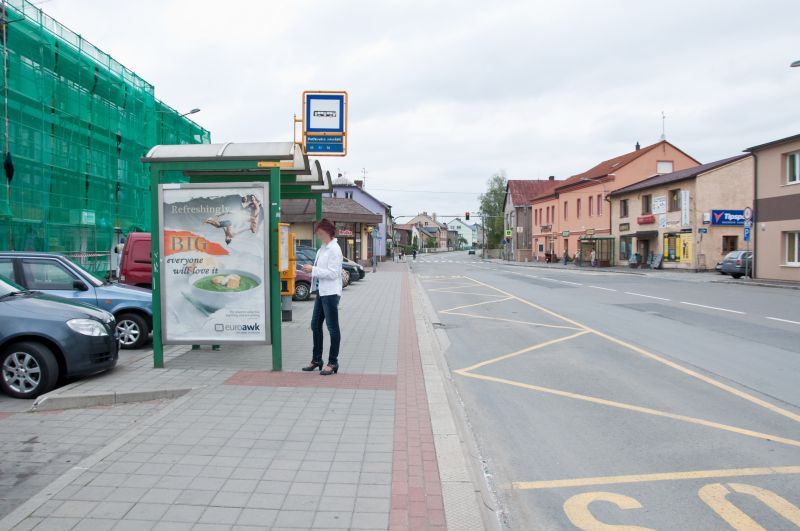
[(430, 243), (462, 241), (414, 244), (493, 203)]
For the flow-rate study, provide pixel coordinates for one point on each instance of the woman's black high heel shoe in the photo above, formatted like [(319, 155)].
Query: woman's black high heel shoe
[(330, 369), (313, 366)]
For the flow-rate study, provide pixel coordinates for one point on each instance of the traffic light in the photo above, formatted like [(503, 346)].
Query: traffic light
[(466, 215)]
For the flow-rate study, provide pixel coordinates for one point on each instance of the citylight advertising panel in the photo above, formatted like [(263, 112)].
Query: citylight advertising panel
[(214, 263)]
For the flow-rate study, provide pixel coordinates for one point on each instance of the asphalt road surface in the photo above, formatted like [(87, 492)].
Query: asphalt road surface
[(611, 401)]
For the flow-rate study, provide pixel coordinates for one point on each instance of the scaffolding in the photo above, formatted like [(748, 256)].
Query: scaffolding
[(78, 123)]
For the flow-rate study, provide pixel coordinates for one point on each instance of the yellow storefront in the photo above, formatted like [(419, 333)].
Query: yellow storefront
[(679, 248)]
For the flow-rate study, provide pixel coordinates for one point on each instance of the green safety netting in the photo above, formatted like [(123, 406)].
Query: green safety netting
[(78, 123)]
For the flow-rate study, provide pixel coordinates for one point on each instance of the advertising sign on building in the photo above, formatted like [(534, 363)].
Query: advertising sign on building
[(727, 217), (214, 263), (660, 204), (686, 207)]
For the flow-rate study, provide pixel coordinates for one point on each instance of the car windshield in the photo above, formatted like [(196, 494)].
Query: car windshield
[(91, 277), (7, 287)]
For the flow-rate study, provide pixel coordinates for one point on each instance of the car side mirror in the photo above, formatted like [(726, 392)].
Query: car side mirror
[(77, 285)]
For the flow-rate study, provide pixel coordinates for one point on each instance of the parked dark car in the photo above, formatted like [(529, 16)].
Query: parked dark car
[(56, 275), (303, 258), (44, 339), (356, 271), (471, 251), (738, 263)]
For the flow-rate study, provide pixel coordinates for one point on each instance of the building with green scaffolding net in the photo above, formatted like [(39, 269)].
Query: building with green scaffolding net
[(76, 123)]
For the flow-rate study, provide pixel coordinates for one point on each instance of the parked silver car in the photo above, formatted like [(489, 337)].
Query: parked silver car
[(737, 264)]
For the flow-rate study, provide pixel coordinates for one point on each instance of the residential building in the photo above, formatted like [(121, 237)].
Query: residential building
[(382, 231), (434, 229), (777, 209), (477, 235), (464, 230), (575, 212), (517, 215), (78, 123), (688, 219), (402, 234)]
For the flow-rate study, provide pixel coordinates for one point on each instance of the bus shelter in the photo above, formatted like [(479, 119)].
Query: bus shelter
[(216, 249)]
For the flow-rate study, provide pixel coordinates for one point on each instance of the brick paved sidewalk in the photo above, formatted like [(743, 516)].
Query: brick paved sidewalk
[(251, 449)]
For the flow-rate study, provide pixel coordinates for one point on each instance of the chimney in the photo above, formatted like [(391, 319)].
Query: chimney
[(434, 216), (359, 183), (638, 147), (552, 178)]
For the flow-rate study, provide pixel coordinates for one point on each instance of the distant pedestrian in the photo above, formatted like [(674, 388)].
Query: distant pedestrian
[(326, 278), (117, 257), (565, 257), (593, 258), (401, 255), (578, 258), (414, 254)]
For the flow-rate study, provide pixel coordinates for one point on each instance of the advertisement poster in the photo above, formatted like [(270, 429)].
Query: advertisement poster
[(214, 256), (660, 204)]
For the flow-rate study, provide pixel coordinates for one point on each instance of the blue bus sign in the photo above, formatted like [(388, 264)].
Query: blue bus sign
[(325, 123)]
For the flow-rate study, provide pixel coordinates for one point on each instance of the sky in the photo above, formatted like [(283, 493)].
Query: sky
[(444, 93)]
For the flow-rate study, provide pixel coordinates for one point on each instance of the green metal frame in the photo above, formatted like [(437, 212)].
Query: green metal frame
[(274, 212)]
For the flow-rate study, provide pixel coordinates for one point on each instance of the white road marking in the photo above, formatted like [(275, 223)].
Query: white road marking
[(784, 320), (573, 283), (647, 296), (713, 307), (602, 288)]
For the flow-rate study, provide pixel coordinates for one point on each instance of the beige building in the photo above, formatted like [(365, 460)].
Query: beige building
[(687, 219), (777, 209)]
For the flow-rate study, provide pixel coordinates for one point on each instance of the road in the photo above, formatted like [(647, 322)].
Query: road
[(625, 400)]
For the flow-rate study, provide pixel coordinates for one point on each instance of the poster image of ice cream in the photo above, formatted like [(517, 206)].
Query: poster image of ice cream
[(214, 250)]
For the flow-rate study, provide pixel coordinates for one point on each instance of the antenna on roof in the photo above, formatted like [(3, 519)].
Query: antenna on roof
[(663, 126)]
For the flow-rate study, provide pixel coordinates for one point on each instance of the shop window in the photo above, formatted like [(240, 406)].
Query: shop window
[(625, 247), (729, 243), (793, 248), (674, 200), (591, 206), (578, 209), (793, 168), (623, 208), (647, 204), (664, 166)]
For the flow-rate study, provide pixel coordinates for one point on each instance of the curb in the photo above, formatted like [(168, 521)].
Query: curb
[(757, 283), (55, 401), (469, 500)]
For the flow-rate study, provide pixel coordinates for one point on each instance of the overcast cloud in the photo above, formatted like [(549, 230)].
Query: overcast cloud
[(444, 93)]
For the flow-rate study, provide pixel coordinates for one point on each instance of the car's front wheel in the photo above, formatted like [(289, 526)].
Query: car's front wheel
[(132, 330), (736, 275), (29, 370), (302, 291)]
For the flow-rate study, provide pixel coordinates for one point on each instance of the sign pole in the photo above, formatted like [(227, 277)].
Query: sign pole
[(274, 270)]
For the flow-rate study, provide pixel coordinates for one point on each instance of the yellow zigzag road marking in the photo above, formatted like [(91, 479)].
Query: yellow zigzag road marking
[(732, 390), (518, 352), (631, 407), (473, 305), (662, 476), (530, 323)]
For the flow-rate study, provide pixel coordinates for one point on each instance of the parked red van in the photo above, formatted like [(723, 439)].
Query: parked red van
[(135, 266)]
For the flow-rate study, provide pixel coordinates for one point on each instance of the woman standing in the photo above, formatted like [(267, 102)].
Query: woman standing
[(326, 278)]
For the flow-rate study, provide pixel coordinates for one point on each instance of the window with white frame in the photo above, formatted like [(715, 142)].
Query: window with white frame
[(664, 166), (792, 248), (793, 168)]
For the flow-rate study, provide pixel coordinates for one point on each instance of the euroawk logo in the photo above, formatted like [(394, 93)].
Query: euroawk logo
[(220, 327)]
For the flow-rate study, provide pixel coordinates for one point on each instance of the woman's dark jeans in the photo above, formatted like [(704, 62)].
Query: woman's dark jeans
[(326, 309)]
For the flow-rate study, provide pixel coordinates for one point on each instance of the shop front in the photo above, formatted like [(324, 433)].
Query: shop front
[(679, 249), (603, 247), (352, 222)]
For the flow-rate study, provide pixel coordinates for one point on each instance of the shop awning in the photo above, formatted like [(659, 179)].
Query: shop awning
[(646, 234)]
